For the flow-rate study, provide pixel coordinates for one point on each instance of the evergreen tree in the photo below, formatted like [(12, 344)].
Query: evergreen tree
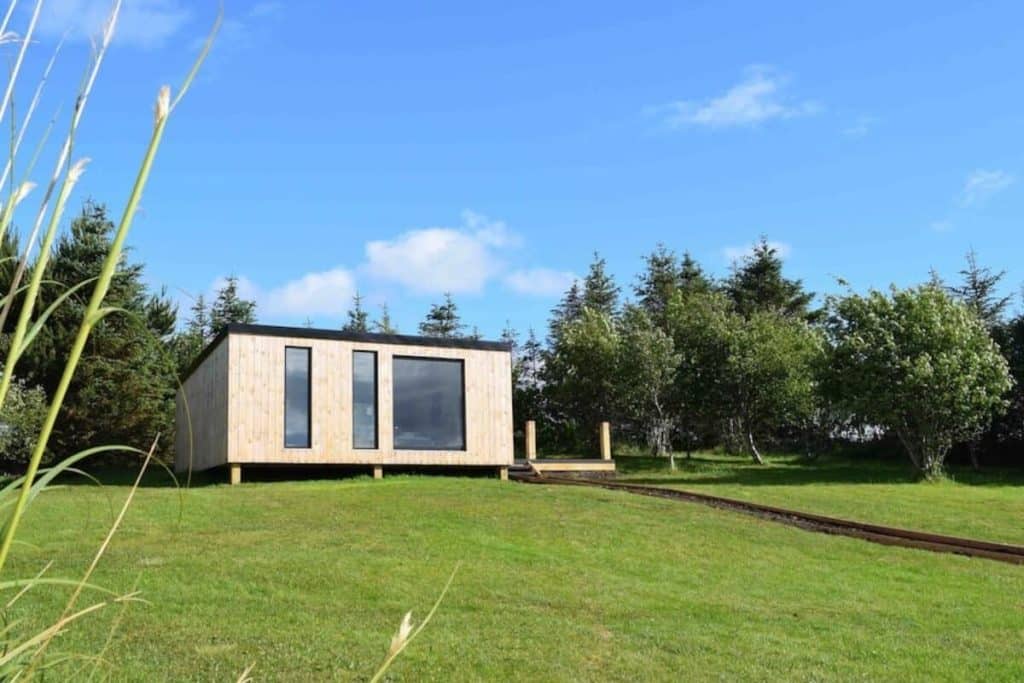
[(692, 279), (358, 320), (979, 290), (229, 307), (123, 390), (600, 293), (757, 284), (567, 310), (660, 279), (162, 315), (190, 342), (383, 324), (443, 320)]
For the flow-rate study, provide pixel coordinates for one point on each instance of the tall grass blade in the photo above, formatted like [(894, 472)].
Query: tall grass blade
[(406, 635)]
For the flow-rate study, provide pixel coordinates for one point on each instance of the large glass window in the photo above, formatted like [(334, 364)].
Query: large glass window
[(296, 396), (364, 399), (430, 408)]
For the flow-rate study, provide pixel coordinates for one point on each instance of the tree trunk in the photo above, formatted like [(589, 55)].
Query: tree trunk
[(972, 450), (754, 453), (671, 461)]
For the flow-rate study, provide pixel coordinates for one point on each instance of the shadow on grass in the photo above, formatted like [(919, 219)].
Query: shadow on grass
[(790, 470), (157, 477)]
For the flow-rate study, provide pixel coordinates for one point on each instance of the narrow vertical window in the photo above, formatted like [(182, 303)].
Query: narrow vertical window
[(297, 396), (364, 399)]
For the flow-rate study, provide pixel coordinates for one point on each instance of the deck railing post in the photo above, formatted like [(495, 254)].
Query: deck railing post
[(531, 440), (606, 441)]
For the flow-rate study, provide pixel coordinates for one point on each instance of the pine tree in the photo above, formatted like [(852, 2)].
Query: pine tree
[(190, 342), (600, 293), (443, 320), (358, 320), (658, 282), (757, 284), (124, 387), (567, 310), (383, 324), (229, 307), (979, 291), (692, 279)]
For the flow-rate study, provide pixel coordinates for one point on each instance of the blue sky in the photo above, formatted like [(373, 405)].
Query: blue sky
[(490, 148)]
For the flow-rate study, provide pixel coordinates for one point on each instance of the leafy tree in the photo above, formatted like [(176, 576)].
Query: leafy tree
[(358, 320), (768, 378), (383, 324), (229, 307), (580, 374), (443, 320), (694, 320), (979, 291), (918, 363), (646, 369), (757, 284), (21, 418)]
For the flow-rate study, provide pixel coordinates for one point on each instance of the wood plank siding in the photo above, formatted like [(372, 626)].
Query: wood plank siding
[(201, 415), (240, 386)]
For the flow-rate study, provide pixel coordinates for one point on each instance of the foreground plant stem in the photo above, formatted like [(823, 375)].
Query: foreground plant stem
[(94, 313)]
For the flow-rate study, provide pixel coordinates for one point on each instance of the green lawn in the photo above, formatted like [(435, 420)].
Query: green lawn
[(986, 505), (308, 580)]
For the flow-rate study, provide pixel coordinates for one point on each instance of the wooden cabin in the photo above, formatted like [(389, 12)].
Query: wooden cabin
[(263, 395)]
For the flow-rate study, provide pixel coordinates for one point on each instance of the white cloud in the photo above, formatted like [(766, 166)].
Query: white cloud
[(142, 23), (433, 260), (327, 292), (942, 226), (982, 185), (756, 98), (734, 254), (540, 281)]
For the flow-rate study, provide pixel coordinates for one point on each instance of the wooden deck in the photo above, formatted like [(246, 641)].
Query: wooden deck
[(566, 466)]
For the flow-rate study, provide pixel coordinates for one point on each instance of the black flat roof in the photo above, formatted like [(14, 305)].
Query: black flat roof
[(341, 335)]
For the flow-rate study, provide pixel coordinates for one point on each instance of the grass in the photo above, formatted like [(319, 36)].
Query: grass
[(309, 580), (986, 505)]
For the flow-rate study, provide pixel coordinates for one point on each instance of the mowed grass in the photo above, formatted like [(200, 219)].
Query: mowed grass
[(308, 581), (986, 505)]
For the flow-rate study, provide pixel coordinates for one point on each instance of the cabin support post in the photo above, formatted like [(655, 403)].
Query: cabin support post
[(378, 472), (236, 474), (531, 440), (606, 441), (503, 473)]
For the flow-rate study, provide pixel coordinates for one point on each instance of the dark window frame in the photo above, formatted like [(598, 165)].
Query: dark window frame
[(394, 398), (376, 401), (309, 396)]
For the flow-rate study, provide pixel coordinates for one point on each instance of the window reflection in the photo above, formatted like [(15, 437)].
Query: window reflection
[(429, 404), (296, 397), (364, 399)]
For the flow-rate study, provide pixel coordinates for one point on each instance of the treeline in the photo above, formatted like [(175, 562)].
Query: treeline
[(124, 389), (681, 361), (691, 361)]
